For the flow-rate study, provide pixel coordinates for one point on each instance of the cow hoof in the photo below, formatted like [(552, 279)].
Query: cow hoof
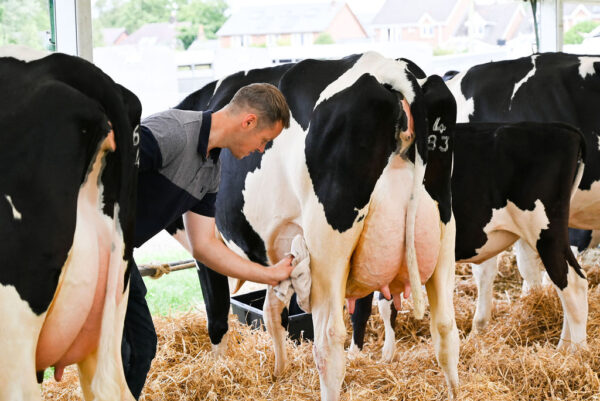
[(479, 326), (219, 350), (353, 351), (568, 346), (387, 354)]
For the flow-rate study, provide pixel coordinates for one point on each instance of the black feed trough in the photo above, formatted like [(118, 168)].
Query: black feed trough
[(248, 308)]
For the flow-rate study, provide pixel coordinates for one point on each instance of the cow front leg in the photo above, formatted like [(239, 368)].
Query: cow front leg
[(575, 309), (272, 316), (484, 275), (529, 264), (440, 290), (215, 291), (388, 314)]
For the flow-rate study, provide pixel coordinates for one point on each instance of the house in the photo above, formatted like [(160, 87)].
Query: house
[(441, 22), (497, 23), (155, 34), (113, 36), (431, 21), (290, 24), (574, 13)]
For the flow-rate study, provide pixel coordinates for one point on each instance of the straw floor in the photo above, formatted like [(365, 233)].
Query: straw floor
[(515, 360)]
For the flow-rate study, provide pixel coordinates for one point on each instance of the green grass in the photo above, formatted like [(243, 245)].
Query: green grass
[(175, 292)]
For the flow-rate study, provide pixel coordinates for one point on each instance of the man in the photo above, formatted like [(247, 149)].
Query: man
[(179, 174)]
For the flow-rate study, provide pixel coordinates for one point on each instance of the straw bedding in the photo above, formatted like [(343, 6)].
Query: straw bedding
[(515, 360)]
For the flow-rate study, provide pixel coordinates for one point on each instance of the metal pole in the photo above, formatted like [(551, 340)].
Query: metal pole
[(51, 45)]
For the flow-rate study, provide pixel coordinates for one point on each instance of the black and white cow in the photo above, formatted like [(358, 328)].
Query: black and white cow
[(348, 176), (502, 191), (67, 202), (543, 87)]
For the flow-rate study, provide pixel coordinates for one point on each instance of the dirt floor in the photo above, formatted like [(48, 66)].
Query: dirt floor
[(516, 360)]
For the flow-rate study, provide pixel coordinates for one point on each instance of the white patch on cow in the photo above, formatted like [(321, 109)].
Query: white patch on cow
[(384, 70), (219, 82), (522, 81), (512, 221), (16, 214), (586, 65), (585, 208), (18, 338), (464, 107), (234, 247)]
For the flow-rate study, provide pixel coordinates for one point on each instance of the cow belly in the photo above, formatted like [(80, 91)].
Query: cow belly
[(585, 208), (379, 258)]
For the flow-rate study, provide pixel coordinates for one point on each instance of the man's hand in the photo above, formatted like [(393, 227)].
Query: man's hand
[(281, 270)]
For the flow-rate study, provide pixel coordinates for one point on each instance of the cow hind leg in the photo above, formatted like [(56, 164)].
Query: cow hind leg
[(530, 266), (359, 319), (562, 268), (272, 316), (574, 302), (19, 332), (440, 290), (388, 314), (484, 275), (327, 299)]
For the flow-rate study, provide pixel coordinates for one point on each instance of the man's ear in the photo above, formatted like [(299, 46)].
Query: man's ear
[(250, 120)]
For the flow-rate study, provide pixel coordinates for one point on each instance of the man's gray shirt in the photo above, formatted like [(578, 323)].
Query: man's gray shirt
[(175, 174)]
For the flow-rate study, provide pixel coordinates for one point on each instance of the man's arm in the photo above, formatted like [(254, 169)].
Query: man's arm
[(213, 253)]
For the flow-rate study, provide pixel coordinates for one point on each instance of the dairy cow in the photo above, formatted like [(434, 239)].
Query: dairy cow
[(502, 191), (348, 176), (67, 199), (543, 87)]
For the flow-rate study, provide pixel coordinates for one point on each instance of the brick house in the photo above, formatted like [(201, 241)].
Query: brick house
[(284, 24)]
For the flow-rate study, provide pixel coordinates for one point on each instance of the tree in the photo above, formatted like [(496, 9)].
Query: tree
[(132, 14), (573, 37), (208, 13), (324, 39), (24, 22)]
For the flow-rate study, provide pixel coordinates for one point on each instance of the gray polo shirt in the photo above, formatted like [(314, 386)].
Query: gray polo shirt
[(175, 173)]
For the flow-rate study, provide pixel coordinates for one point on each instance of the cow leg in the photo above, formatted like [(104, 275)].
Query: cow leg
[(530, 266), (440, 290), (215, 291), (327, 299), (484, 275), (272, 317), (388, 313), (362, 311), (19, 332), (575, 308), (560, 264)]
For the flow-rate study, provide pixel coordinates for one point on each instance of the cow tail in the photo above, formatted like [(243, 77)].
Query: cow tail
[(580, 163), (411, 253)]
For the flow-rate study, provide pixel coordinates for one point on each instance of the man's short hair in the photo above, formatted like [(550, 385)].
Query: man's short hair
[(268, 102)]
